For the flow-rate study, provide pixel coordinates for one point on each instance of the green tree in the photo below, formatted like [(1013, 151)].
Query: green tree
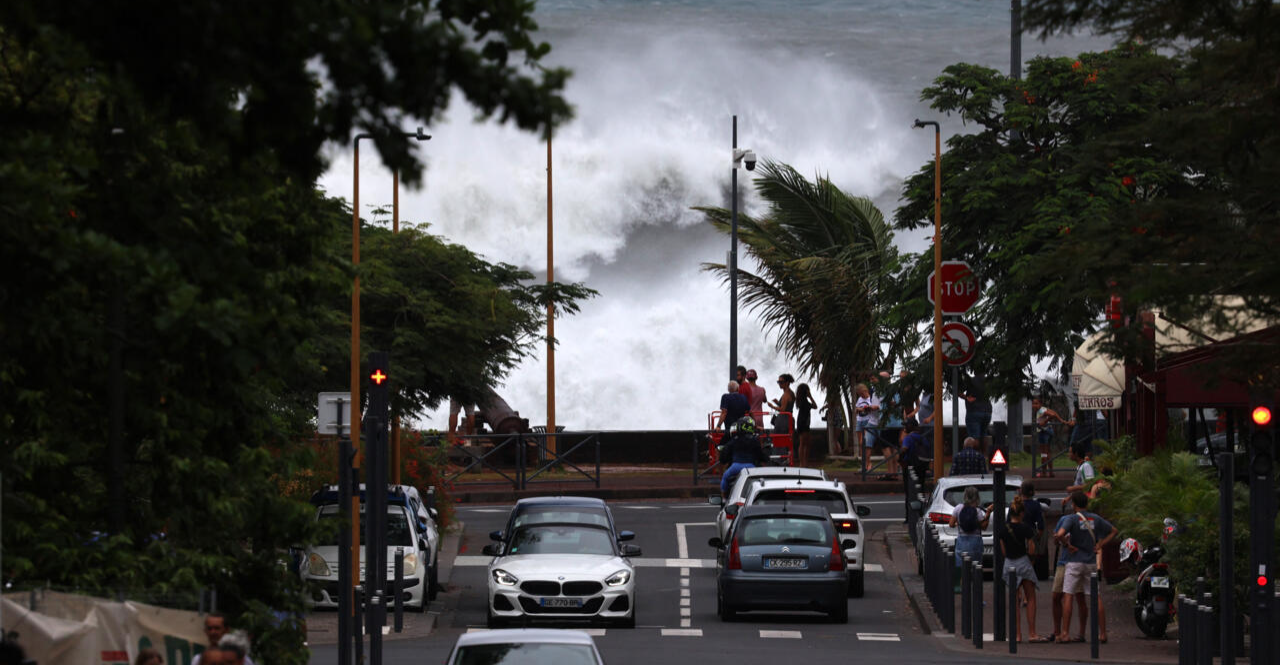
[(825, 257)]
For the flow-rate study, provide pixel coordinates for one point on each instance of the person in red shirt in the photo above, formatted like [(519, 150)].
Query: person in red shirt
[(757, 399)]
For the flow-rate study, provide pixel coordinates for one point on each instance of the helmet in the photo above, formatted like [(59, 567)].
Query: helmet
[(1130, 551), (745, 425)]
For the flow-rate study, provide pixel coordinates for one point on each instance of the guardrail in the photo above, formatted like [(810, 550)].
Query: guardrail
[(523, 450)]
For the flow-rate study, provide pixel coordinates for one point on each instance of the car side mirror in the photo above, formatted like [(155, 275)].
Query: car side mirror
[(715, 500), (435, 514), (630, 550), (1043, 501), (625, 536), (495, 535), (848, 544), (491, 550), (916, 506), (862, 511), (732, 510), (422, 545), (715, 542)]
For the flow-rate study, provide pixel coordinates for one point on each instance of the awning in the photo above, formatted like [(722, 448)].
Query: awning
[(1101, 384), (1085, 354)]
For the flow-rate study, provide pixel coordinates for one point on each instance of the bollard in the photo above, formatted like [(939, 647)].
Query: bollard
[(928, 564), (976, 596), (1093, 615), (357, 623), (1190, 615), (1181, 603), (377, 619), (966, 592), (948, 575), (1013, 612), (1204, 638), (397, 587)]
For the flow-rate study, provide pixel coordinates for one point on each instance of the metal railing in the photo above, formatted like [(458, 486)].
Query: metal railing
[(522, 450)]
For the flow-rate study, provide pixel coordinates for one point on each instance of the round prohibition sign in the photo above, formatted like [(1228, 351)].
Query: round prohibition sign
[(958, 343)]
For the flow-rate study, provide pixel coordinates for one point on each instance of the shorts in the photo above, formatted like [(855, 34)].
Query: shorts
[(1076, 579), (1022, 567), (1059, 577), (870, 437)]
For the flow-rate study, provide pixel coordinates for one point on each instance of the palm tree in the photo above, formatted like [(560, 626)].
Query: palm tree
[(825, 257)]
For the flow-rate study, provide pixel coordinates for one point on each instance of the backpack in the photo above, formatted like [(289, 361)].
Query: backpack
[(968, 520)]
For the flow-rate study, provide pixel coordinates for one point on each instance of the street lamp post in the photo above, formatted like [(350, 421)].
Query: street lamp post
[(395, 228), (355, 374), (937, 295), (749, 159)]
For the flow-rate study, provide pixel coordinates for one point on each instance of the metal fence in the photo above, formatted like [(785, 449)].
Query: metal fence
[(519, 459)]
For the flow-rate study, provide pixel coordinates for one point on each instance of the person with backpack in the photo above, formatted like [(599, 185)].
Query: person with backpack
[(742, 450), (914, 454), (969, 519), (1083, 534)]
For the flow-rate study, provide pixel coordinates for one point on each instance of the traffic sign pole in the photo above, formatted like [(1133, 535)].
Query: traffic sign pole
[(998, 465)]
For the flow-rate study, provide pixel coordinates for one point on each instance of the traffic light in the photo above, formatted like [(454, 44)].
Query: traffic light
[(998, 460), (1262, 439), (1262, 522), (379, 386)]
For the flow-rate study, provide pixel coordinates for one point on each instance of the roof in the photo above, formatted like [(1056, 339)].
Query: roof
[(802, 509), (518, 635), (561, 501), (976, 479), (799, 472), (331, 495)]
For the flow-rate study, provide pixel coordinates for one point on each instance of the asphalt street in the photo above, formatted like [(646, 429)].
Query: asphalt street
[(675, 603)]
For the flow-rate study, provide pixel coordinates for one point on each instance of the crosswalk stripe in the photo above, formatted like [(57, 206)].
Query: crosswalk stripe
[(783, 634), (682, 632), (873, 567), (879, 637)]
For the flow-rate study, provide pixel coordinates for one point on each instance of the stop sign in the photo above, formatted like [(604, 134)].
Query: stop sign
[(959, 287)]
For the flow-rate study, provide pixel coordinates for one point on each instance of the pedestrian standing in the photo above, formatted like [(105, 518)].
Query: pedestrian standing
[(1017, 542), (915, 455), (969, 519), (148, 656), (891, 419), (733, 405), (1033, 511), (784, 405), (1082, 533), (1045, 417), (1084, 469), (868, 424), (743, 386), (969, 462), (977, 409), (804, 404), (757, 399), (925, 414), (215, 629)]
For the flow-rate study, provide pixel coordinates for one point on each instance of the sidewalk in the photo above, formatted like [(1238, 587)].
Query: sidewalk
[(1125, 644), (631, 482)]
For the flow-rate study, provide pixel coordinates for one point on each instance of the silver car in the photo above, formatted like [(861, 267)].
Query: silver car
[(749, 478), (525, 646), (948, 494)]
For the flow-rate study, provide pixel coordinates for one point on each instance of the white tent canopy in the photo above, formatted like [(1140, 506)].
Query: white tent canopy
[(1097, 378)]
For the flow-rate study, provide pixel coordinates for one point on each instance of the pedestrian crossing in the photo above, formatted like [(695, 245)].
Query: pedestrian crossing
[(764, 634)]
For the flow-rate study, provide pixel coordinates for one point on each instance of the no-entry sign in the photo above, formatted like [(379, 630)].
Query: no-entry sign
[(959, 287), (958, 343)]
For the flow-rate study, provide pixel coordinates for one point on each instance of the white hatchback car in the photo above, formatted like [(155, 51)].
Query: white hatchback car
[(525, 646), (948, 494), (749, 478), (561, 570), (831, 495)]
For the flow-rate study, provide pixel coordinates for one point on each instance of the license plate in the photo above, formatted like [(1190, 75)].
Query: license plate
[(785, 562), (1159, 583), (560, 602)]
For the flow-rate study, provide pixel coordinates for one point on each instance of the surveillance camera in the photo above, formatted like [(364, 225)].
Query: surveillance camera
[(750, 160)]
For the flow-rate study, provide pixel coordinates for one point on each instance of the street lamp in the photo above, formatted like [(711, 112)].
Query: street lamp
[(747, 158), (419, 135), (937, 295)]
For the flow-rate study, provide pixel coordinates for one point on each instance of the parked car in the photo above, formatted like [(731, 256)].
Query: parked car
[(427, 526), (404, 530), (525, 646), (949, 493), (832, 497), (782, 557), (560, 558), (747, 479)]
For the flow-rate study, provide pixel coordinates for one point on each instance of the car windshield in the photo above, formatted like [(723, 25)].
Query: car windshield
[(986, 495), (562, 515), (832, 500), (398, 532), (560, 539), (784, 531), (532, 653)]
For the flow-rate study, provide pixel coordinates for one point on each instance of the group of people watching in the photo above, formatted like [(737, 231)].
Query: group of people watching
[(746, 398)]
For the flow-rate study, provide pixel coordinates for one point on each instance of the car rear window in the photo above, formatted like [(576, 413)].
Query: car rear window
[(529, 653), (986, 495), (833, 501), (784, 531)]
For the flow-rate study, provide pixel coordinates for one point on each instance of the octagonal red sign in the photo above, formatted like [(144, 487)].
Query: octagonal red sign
[(960, 289)]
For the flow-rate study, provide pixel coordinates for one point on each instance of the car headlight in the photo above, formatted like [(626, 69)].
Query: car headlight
[(317, 566), (619, 578), (504, 578), (410, 564)]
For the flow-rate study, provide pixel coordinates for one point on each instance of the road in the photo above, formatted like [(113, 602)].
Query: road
[(676, 617)]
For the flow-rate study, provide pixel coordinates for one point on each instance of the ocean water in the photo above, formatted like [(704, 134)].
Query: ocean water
[(830, 87)]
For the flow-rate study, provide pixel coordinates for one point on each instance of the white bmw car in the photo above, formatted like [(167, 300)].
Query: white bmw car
[(562, 571)]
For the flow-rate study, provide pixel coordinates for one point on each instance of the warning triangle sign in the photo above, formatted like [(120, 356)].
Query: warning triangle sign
[(998, 458)]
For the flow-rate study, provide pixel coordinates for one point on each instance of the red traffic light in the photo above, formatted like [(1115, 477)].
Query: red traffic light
[(1261, 416), (1262, 580), (378, 377), (998, 459)]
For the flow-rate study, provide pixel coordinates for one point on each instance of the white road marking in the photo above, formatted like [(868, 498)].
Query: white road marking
[(684, 602), (684, 581), (783, 634), (873, 567), (881, 519), (684, 572), (473, 629), (879, 637), (684, 593), (386, 630), (472, 560), (944, 635), (594, 632), (639, 507), (682, 538), (682, 632), (685, 611), (685, 623)]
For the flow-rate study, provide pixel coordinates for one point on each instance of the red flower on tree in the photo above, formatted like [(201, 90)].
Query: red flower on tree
[(1128, 181)]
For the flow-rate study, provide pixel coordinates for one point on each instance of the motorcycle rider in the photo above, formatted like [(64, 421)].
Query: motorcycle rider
[(742, 450)]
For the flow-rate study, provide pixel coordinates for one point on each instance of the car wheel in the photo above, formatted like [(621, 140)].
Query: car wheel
[(840, 613), (919, 564), (629, 621), (433, 582), (727, 614), (855, 584)]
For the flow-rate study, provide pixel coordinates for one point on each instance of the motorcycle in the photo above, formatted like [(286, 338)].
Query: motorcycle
[(1153, 603)]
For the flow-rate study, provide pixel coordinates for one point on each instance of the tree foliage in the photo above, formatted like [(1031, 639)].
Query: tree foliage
[(825, 257)]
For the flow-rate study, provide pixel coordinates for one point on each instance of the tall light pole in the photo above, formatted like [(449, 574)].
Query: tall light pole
[(395, 228), (355, 369), (749, 158), (937, 296), (551, 315)]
